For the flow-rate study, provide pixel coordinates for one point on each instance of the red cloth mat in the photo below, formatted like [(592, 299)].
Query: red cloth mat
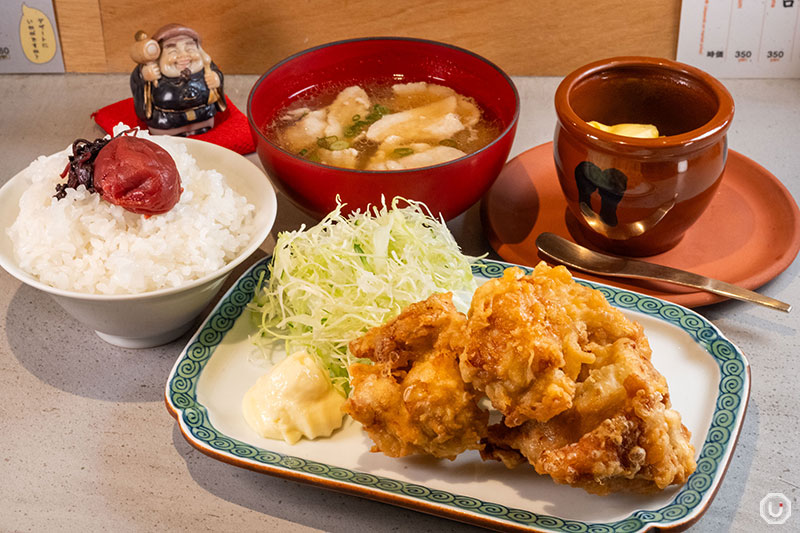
[(230, 130)]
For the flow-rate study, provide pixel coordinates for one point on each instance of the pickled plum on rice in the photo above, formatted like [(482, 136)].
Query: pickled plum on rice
[(129, 171), (379, 127), (138, 175)]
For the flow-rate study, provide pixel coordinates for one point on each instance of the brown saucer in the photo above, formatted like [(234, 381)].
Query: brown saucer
[(748, 235)]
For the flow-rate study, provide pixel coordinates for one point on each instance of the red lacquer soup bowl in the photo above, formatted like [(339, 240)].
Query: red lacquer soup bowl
[(448, 189)]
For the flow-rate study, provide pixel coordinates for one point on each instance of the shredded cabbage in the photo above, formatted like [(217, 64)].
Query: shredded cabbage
[(332, 282)]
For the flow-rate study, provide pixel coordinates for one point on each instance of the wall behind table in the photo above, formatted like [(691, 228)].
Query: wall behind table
[(534, 38)]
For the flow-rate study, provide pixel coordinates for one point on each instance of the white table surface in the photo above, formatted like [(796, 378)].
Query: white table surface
[(86, 443)]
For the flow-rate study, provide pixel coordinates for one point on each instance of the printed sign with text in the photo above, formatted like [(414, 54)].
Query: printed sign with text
[(741, 38), (29, 37)]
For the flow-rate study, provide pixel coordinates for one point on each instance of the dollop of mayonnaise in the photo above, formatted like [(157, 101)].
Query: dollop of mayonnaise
[(642, 131), (293, 400)]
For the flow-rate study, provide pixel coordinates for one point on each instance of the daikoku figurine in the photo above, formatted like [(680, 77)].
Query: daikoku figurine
[(176, 87)]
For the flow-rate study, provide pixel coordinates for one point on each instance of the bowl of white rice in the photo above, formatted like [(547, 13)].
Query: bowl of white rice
[(138, 281)]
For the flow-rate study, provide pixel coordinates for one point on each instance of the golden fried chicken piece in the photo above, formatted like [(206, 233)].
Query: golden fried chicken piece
[(620, 433), (412, 400), (528, 337)]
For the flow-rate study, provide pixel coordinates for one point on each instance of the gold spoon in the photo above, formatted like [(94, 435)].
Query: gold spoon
[(580, 258)]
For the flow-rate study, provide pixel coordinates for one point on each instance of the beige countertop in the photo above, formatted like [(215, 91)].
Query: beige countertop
[(86, 443)]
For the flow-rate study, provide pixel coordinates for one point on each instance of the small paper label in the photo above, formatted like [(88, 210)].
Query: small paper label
[(741, 38), (29, 37)]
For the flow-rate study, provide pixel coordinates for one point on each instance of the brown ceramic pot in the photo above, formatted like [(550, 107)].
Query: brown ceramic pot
[(635, 196)]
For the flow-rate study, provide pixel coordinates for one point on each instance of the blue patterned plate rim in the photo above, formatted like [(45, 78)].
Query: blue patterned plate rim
[(688, 505)]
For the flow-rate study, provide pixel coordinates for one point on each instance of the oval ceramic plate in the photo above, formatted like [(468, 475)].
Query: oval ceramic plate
[(709, 384), (748, 235)]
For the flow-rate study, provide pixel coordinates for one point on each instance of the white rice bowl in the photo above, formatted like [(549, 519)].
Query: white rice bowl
[(85, 244)]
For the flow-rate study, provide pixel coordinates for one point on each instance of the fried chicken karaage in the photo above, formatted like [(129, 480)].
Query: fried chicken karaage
[(620, 434), (570, 374), (412, 400), (529, 336)]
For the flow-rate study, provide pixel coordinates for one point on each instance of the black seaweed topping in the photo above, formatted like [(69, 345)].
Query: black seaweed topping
[(80, 169)]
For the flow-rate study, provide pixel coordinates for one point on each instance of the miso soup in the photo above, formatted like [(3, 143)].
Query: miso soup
[(383, 127)]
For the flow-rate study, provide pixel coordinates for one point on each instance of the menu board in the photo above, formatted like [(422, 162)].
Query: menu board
[(741, 38), (29, 37)]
